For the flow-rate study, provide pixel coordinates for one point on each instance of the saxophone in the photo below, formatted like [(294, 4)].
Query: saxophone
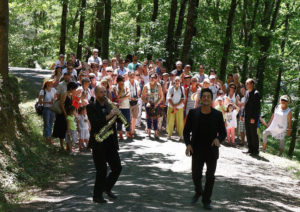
[(106, 131)]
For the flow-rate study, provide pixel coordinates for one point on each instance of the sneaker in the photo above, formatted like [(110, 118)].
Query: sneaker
[(195, 198), (207, 206)]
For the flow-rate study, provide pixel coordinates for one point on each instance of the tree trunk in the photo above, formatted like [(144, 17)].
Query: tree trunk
[(190, 30), (265, 41), (81, 28), (296, 119), (138, 21), (179, 27), (155, 10), (170, 36), (282, 46), (105, 31), (227, 41), (63, 27), (99, 23), (248, 44), (4, 24)]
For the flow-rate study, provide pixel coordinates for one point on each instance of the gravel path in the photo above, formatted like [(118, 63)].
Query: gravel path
[(156, 176)]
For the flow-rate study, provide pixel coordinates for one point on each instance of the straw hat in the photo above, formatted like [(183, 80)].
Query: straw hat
[(47, 80)]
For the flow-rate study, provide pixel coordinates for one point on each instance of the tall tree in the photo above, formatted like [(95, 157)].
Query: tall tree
[(4, 23), (248, 41), (179, 27), (81, 28), (280, 70), (265, 39), (105, 31), (227, 40), (190, 30), (138, 21), (170, 36), (155, 10), (63, 27), (296, 118), (99, 24)]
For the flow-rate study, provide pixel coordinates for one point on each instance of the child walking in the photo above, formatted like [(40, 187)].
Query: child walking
[(84, 127), (71, 135), (231, 122)]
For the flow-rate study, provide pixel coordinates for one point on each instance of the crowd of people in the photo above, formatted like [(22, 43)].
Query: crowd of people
[(166, 96), (202, 109)]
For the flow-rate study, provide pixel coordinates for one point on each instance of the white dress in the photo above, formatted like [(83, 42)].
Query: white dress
[(83, 127), (279, 123)]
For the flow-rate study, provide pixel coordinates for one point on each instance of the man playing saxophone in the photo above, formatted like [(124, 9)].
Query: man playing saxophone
[(100, 112)]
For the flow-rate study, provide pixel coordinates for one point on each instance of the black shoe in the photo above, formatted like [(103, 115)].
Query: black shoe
[(111, 195), (99, 200), (195, 198), (207, 206)]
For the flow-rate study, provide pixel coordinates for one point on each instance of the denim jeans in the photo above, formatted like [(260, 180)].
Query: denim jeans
[(48, 117), (126, 113)]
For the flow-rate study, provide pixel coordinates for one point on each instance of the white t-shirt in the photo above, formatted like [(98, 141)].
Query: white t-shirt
[(82, 123), (176, 96), (231, 119), (49, 96), (145, 79), (58, 63), (97, 60), (74, 72)]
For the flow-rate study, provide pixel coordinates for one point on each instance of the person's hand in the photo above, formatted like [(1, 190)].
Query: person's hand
[(189, 150), (242, 118), (115, 111), (216, 142), (252, 121), (148, 105)]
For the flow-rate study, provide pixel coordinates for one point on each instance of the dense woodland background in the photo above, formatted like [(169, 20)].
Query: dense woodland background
[(256, 38)]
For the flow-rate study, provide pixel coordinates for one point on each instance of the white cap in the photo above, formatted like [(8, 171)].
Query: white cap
[(206, 80), (212, 77), (95, 50), (219, 98), (178, 63)]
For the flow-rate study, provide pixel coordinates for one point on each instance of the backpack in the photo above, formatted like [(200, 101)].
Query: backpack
[(39, 108)]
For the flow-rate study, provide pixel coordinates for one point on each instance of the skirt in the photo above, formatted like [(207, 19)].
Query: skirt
[(84, 134), (60, 126)]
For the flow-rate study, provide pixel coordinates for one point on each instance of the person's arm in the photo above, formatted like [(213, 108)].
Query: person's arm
[(62, 103), (197, 99), (186, 90), (68, 126), (80, 65), (263, 121), (161, 96), (169, 98), (144, 94), (221, 130), (289, 130), (53, 66), (256, 108), (269, 123), (187, 133), (41, 98), (237, 108)]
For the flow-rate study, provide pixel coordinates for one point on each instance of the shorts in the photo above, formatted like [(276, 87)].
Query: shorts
[(84, 134), (242, 127), (134, 111), (73, 137)]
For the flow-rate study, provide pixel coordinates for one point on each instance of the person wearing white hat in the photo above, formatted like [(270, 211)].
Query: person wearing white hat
[(95, 58), (178, 71), (280, 124)]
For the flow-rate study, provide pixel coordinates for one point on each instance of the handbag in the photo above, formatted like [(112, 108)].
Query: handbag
[(38, 107), (56, 107), (134, 102)]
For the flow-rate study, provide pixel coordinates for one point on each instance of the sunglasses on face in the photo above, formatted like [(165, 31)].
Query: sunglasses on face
[(283, 100), (137, 75), (232, 87), (108, 71)]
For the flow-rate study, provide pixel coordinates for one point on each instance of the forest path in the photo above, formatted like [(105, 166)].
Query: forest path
[(156, 176)]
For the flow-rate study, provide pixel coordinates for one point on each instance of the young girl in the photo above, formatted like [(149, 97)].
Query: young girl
[(231, 122), (84, 127), (71, 135)]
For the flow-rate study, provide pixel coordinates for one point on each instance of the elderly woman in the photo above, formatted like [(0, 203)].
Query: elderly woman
[(46, 98), (60, 125), (280, 123)]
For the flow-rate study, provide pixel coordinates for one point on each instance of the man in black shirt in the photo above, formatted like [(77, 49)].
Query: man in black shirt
[(251, 114), (99, 113), (208, 130)]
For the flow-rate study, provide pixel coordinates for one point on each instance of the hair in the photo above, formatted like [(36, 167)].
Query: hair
[(227, 109), (120, 78), (72, 86), (81, 109), (229, 75), (250, 80), (212, 70), (207, 90), (85, 80), (73, 54), (177, 78), (232, 84), (70, 109), (70, 63)]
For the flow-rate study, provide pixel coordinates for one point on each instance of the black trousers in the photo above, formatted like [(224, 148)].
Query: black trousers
[(102, 154), (197, 169), (252, 137)]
